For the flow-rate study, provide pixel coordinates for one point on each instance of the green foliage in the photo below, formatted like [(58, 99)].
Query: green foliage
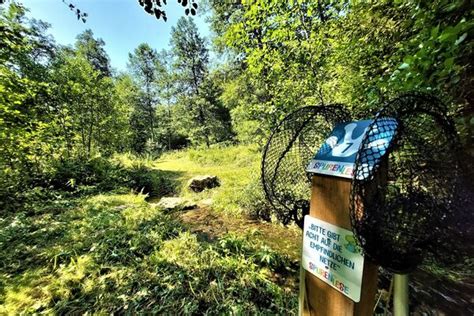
[(262, 255), (117, 254), (191, 55), (23, 122), (57, 108), (89, 111), (71, 173), (143, 67), (199, 109), (149, 181), (93, 50), (284, 55), (105, 174), (70, 128), (254, 202), (170, 133)]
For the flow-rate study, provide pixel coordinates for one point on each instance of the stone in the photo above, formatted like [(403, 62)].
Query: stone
[(121, 207), (205, 202), (176, 203), (200, 183)]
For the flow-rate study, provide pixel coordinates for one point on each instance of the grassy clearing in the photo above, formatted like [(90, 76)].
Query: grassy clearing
[(237, 167), (89, 250), (98, 250), (113, 252), (116, 253)]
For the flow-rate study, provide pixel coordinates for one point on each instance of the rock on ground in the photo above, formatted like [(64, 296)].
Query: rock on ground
[(205, 203), (200, 183), (175, 203)]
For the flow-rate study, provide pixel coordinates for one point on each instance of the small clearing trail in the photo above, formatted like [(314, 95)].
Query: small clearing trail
[(209, 225)]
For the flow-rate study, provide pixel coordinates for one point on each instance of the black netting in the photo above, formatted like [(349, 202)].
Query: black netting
[(400, 213), (287, 154)]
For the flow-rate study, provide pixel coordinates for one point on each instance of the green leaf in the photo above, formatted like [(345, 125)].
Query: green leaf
[(453, 6), (434, 31), (447, 35), (460, 39), (404, 66), (448, 63)]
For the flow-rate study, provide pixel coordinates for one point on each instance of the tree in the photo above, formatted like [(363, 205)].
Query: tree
[(191, 55), (125, 95), (84, 99), (190, 64), (218, 125), (25, 131), (166, 83), (93, 51), (277, 52), (287, 54), (24, 60), (143, 67)]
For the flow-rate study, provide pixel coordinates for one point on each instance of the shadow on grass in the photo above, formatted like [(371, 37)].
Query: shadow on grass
[(43, 256), (116, 253), (153, 182)]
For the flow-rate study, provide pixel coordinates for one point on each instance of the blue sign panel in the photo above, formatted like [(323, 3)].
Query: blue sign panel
[(337, 155)]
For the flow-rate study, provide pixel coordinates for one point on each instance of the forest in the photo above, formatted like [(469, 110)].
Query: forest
[(85, 149)]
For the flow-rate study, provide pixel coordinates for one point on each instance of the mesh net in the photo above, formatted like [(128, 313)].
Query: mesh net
[(287, 154), (403, 211)]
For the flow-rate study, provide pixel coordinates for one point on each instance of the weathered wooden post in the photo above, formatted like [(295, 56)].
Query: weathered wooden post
[(339, 280), (330, 203)]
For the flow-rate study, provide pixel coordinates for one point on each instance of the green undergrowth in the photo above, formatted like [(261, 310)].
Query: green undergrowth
[(115, 253), (458, 272), (80, 176), (238, 168)]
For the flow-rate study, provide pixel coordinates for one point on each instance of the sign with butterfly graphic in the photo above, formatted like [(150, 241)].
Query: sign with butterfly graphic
[(337, 155)]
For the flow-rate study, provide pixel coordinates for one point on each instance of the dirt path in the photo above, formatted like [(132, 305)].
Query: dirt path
[(210, 225)]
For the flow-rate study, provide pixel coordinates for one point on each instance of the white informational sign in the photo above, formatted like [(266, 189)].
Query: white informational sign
[(331, 253)]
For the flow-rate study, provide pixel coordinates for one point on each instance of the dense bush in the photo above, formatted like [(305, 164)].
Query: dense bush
[(66, 178), (106, 175), (68, 174), (10, 184), (148, 181), (254, 202), (62, 177)]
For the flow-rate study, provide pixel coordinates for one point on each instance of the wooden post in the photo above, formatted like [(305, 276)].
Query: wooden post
[(330, 202), (302, 291)]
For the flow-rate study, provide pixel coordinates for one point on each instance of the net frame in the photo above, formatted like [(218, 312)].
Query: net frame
[(398, 217), (287, 153)]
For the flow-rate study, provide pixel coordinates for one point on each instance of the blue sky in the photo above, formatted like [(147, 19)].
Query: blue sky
[(122, 24)]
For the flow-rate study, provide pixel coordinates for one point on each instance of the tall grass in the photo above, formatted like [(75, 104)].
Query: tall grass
[(236, 166), (117, 254)]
